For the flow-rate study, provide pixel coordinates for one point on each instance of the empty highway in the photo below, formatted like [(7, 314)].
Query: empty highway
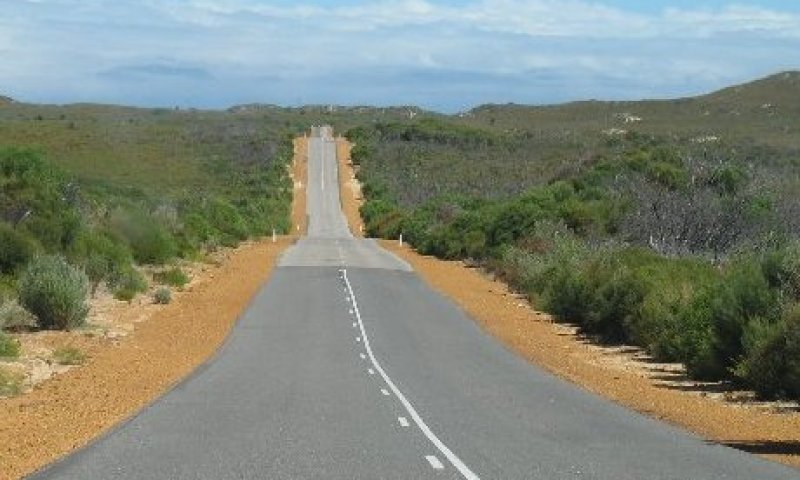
[(347, 366)]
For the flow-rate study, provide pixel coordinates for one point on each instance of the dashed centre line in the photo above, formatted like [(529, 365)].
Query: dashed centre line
[(403, 421), (432, 459)]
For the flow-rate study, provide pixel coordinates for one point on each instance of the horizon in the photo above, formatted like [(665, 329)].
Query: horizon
[(444, 56)]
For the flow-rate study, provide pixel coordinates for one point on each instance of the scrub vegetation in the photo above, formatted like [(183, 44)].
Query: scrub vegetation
[(672, 225)]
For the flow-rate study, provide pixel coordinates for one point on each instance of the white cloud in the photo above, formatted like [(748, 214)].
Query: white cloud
[(513, 43)]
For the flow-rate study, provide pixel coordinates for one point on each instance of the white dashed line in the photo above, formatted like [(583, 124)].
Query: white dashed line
[(371, 371), (435, 463), (355, 324), (403, 421), (358, 339), (385, 392), (363, 357)]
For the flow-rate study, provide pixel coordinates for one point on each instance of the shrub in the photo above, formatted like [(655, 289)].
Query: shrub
[(100, 256), (163, 296), (9, 347), (14, 317), (150, 242), (174, 277), (10, 382), (771, 365), (69, 356), (16, 249), (128, 283), (55, 292)]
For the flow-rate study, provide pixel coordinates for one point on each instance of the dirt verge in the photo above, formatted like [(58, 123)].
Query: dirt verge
[(349, 187), (621, 373)]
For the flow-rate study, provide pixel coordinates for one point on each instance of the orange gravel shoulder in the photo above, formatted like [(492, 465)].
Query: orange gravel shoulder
[(349, 187), (766, 430)]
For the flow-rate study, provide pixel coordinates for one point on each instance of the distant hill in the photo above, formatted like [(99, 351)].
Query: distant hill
[(5, 100), (766, 111)]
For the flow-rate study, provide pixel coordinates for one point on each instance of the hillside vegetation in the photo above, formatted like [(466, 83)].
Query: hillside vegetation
[(672, 225)]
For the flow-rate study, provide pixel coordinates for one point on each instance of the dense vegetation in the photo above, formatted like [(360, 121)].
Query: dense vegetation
[(88, 194), (671, 225)]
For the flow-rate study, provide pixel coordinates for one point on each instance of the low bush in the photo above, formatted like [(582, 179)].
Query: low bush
[(150, 242), (10, 382), (16, 249), (9, 347), (174, 277), (55, 292), (163, 296), (128, 284), (101, 256), (771, 364), (69, 356), (14, 317)]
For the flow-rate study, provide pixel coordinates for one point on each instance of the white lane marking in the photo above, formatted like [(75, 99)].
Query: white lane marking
[(435, 463), (358, 339), (385, 392), (351, 311), (403, 421), (363, 357), (371, 371), (454, 460), (355, 324)]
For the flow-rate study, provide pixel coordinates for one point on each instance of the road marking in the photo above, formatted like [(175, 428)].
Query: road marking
[(371, 371), (363, 357), (358, 339), (351, 311), (385, 392), (403, 421), (435, 463), (451, 457), (355, 324)]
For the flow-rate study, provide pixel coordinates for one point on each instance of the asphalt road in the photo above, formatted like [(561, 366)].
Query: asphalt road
[(346, 366)]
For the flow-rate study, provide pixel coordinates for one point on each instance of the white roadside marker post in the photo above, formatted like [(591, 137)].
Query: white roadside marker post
[(401, 239), (274, 236)]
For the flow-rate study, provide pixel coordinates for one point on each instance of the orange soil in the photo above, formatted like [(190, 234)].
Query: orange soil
[(300, 177), (349, 187), (615, 373)]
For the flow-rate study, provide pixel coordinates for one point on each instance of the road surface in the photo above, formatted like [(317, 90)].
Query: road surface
[(346, 366)]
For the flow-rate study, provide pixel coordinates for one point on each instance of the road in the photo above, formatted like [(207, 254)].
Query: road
[(347, 366)]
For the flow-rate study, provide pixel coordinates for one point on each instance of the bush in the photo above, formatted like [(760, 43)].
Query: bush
[(69, 356), (163, 296), (174, 277), (150, 242), (128, 284), (9, 347), (55, 292), (16, 249), (771, 365), (14, 317), (10, 382), (100, 256)]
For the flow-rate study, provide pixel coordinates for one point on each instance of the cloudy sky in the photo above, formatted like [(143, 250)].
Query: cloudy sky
[(447, 55)]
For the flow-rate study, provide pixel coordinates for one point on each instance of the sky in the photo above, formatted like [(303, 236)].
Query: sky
[(446, 55)]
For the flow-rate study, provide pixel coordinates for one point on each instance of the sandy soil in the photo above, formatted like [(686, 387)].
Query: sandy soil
[(299, 176), (350, 187), (624, 374)]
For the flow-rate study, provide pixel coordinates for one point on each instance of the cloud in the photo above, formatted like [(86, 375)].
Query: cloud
[(439, 54)]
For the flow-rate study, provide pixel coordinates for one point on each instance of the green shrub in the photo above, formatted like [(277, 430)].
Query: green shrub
[(128, 284), (9, 347), (163, 296), (150, 242), (10, 382), (14, 317), (771, 365), (101, 256), (55, 292), (69, 356), (16, 249), (174, 277)]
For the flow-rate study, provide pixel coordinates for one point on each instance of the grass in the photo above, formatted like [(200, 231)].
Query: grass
[(174, 277), (10, 382), (9, 347), (69, 356)]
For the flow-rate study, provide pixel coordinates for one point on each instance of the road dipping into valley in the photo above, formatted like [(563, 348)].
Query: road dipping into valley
[(346, 365)]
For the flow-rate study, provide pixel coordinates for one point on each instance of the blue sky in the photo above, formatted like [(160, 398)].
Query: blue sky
[(448, 55)]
